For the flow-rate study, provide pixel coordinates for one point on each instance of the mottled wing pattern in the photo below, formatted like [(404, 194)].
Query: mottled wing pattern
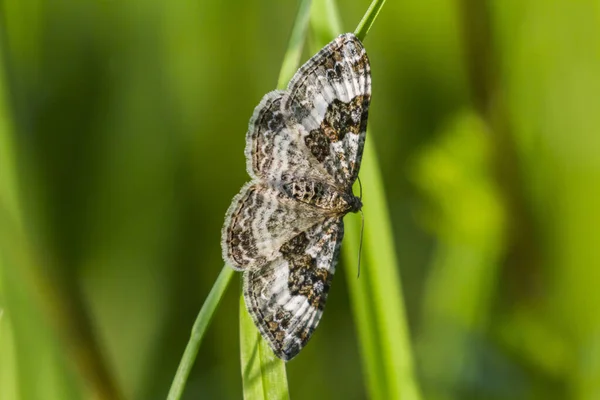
[(330, 96), (272, 143), (259, 221), (284, 229), (287, 296), (275, 149), (316, 128)]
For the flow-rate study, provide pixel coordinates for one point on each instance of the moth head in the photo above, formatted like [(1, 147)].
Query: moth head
[(355, 203)]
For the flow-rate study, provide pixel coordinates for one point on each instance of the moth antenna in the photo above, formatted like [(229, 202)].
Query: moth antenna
[(362, 229), (360, 189)]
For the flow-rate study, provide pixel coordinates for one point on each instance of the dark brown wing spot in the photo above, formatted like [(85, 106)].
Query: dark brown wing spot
[(307, 280), (318, 144), (295, 246), (341, 118)]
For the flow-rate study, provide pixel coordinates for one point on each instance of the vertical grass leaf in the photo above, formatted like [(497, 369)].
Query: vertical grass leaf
[(263, 374), (369, 18), (291, 60), (377, 296), (199, 329)]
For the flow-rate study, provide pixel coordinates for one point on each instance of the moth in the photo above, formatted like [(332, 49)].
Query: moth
[(284, 228)]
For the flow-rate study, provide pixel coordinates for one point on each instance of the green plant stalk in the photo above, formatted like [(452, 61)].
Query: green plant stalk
[(253, 385), (369, 18), (377, 296), (198, 330), (263, 374), (272, 374), (291, 60), (325, 22)]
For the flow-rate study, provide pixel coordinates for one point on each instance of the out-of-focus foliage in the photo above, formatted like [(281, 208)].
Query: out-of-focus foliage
[(121, 144)]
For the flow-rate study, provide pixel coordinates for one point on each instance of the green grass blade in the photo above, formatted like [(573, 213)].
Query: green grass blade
[(253, 386), (8, 362), (199, 329), (294, 50), (377, 296), (324, 22), (370, 16), (263, 374)]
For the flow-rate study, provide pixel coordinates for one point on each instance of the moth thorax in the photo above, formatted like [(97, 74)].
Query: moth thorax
[(319, 194), (354, 202)]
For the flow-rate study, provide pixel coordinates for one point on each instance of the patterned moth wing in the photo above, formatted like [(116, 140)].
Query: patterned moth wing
[(274, 144), (330, 96), (284, 229), (287, 296), (317, 127), (259, 221)]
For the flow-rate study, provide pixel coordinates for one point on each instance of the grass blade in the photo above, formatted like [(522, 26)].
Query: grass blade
[(291, 60), (369, 18), (377, 296), (263, 374), (199, 329), (253, 386), (268, 370), (324, 22)]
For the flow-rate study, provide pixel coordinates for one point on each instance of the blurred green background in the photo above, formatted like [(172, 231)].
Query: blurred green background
[(122, 130)]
